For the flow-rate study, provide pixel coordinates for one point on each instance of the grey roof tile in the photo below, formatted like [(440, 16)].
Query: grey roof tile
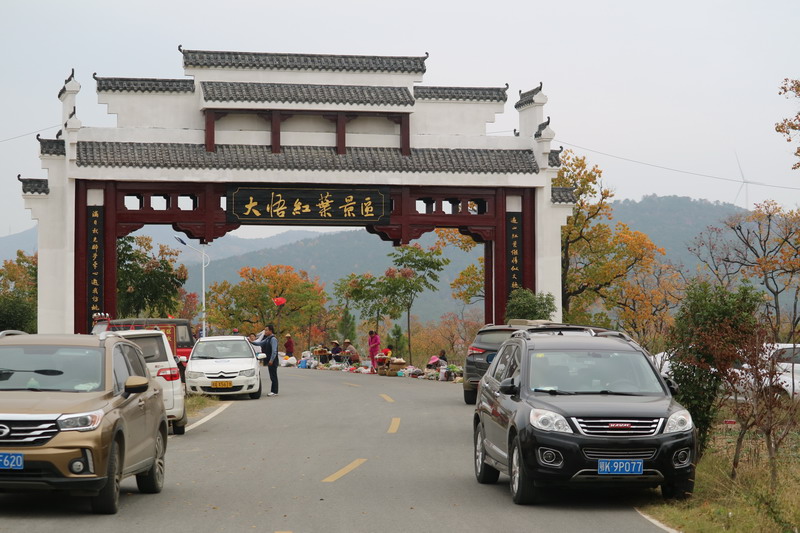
[(252, 157), (34, 185), (273, 61), (563, 195), (221, 91), (144, 85), (554, 157), (490, 94), (51, 146), (526, 98)]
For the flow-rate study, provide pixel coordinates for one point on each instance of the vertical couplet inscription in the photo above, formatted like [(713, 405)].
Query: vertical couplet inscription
[(514, 250), (94, 267)]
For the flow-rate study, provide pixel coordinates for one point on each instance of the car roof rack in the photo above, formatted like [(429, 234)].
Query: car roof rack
[(8, 332)]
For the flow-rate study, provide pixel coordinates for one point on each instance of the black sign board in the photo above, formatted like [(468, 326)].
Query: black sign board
[(94, 257), (514, 250), (309, 206)]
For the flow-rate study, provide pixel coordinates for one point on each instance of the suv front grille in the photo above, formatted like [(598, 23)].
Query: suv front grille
[(618, 427), (27, 432), (619, 453)]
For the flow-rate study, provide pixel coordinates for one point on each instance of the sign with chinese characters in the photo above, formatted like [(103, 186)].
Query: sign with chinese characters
[(309, 206), (95, 261), (514, 250)]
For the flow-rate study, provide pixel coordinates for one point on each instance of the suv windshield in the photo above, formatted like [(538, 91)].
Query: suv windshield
[(592, 372), (51, 368), (238, 349)]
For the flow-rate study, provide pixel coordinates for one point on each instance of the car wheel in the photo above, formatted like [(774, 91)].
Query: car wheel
[(179, 426), (470, 396), (678, 490), (107, 500), (523, 490), (483, 473), (257, 394), (152, 481)]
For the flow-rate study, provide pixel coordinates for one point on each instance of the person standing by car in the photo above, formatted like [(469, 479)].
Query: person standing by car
[(269, 346), (288, 346), (374, 349)]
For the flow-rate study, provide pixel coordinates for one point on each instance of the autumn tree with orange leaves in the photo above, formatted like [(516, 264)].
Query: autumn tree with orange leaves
[(596, 259), (790, 127), (248, 305), (18, 293)]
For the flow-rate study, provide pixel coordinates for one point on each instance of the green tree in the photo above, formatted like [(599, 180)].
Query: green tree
[(526, 304), (346, 329), (368, 295), (695, 368), (148, 282), (398, 339), (18, 293), (415, 271)]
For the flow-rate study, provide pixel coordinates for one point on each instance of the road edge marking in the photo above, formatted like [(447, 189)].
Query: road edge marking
[(655, 522), (394, 426), (349, 468), (209, 416)]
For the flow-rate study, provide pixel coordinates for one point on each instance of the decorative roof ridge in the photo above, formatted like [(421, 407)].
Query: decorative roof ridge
[(34, 185), (526, 98), (432, 92), (66, 81), (51, 146), (112, 84), (563, 195), (238, 91), (543, 126), (294, 61)]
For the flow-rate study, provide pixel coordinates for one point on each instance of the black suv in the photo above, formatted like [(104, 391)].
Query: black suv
[(488, 340), (580, 408)]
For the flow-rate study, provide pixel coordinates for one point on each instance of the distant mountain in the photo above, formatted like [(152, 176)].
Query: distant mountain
[(672, 222), (24, 240)]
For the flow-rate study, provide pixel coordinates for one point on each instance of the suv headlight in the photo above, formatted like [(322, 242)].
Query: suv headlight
[(549, 421), (249, 373), (194, 375), (680, 421), (80, 421)]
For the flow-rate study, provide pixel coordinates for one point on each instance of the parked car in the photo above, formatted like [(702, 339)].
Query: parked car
[(785, 382), (580, 410), (163, 366), (224, 366), (488, 340), (78, 413), (177, 330)]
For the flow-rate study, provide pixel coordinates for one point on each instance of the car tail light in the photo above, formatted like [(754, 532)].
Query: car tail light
[(473, 350), (170, 374)]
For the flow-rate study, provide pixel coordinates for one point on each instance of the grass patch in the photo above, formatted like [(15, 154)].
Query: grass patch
[(746, 504), (197, 402)]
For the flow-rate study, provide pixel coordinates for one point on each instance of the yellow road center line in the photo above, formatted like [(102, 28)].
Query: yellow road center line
[(394, 426), (387, 398), (346, 470), (351, 384)]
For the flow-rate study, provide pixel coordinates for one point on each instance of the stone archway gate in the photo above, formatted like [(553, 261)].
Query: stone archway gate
[(262, 138)]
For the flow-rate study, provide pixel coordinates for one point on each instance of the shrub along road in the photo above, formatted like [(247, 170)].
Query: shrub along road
[(333, 452)]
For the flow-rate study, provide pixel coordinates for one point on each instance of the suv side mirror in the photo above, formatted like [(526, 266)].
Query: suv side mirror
[(507, 386), (671, 385), (136, 384), (182, 359)]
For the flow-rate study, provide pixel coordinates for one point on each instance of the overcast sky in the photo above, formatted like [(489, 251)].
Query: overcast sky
[(633, 85)]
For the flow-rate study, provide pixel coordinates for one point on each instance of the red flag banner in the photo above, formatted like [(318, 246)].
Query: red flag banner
[(280, 300)]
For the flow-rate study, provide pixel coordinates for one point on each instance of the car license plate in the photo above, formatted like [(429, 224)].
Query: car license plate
[(222, 384), (619, 467), (11, 461)]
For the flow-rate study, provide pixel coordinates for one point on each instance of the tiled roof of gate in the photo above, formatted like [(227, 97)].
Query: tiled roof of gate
[(222, 91), (491, 94), (34, 185), (254, 157), (526, 98), (51, 146), (563, 195), (272, 61), (144, 85)]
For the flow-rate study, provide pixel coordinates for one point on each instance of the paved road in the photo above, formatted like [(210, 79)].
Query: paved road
[(333, 452)]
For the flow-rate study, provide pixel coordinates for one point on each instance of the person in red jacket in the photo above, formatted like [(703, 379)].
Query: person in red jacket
[(288, 346)]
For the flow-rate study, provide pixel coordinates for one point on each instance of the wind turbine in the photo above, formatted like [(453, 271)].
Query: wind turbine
[(744, 184)]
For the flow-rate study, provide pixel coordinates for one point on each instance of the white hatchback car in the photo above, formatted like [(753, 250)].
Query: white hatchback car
[(224, 366), (163, 367)]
